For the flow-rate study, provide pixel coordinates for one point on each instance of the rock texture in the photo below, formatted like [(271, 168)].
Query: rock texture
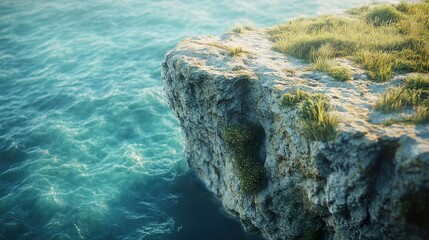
[(371, 182)]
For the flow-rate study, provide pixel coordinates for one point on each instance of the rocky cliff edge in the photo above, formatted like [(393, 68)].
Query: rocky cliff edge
[(370, 182)]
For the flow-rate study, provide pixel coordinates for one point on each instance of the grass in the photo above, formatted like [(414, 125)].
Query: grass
[(414, 93), (383, 39), (421, 115), (322, 60), (378, 64), (245, 140), (232, 51), (328, 66), (417, 82), (317, 123), (292, 98), (383, 15), (396, 99), (238, 28)]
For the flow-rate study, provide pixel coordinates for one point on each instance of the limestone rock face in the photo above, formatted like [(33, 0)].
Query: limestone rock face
[(371, 182)]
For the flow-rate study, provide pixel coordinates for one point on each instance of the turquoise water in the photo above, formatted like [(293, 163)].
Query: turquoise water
[(88, 146)]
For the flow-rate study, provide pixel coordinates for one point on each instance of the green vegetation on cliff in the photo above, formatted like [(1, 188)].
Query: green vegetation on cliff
[(383, 39), (245, 140), (414, 93), (317, 123)]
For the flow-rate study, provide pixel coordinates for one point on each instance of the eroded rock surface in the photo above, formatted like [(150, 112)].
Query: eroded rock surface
[(371, 182)]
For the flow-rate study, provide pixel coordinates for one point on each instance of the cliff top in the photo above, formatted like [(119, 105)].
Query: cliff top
[(352, 101)]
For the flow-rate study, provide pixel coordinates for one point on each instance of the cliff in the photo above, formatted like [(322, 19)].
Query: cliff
[(370, 181)]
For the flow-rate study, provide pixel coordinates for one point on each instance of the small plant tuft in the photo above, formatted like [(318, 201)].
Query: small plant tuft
[(421, 115), (322, 59), (245, 140), (318, 124), (379, 64), (397, 98), (293, 98), (234, 52), (414, 93), (339, 73), (417, 82), (238, 28), (249, 26)]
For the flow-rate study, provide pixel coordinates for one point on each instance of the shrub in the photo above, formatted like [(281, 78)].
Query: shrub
[(318, 124), (358, 11), (245, 140), (383, 15)]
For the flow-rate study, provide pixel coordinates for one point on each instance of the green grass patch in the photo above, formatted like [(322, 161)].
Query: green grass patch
[(328, 66), (382, 38), (293, 98), (322, 60), (421, 115), (232, 51), (414, 93), (417, 82), (238, 29), (245, 140), (318, 124), (339, 73), (396, 99), (383, 15), (378, 64)]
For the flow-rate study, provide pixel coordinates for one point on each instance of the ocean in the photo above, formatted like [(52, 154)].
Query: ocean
[(89, 148)]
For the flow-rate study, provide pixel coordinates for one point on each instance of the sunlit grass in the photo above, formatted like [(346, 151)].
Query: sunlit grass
[(383, 39), (294, 97), (414, 93), (237, 51), (396, 99), (240, 28), (317, 123), (232, 51)]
